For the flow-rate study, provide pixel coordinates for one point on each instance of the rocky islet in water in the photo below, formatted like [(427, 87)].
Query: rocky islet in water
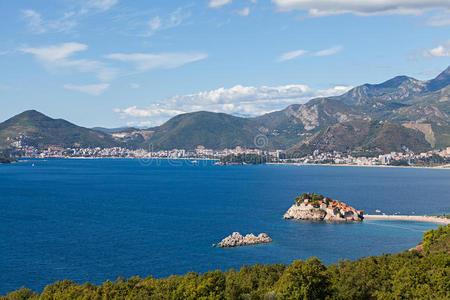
[(236, 239)]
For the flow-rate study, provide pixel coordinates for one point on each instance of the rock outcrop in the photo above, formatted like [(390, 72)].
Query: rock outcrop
[(304, 213), (236, 239)]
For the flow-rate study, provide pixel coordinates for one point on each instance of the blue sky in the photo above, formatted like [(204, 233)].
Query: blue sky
[(116, 63)]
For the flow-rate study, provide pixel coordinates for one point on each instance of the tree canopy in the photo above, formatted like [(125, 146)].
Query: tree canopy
[(407, 275)]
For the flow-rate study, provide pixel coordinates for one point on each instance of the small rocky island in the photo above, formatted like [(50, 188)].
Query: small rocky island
[(236, 239), (319, 208)]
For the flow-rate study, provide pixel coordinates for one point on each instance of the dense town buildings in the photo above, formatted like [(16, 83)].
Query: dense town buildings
[(406, 157)]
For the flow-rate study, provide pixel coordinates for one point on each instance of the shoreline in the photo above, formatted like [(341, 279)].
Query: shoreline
[(443, 167), (429, 219), (101, 157)]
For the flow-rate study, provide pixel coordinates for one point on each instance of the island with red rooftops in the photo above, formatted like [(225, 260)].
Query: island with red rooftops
[(319, 208)]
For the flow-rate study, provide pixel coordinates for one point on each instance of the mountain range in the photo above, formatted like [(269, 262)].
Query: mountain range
[(400, 112)]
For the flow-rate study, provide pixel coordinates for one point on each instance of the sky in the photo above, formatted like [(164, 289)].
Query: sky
[(115, 63)]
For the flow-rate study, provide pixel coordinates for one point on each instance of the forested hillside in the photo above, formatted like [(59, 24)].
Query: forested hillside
[(407, 275)]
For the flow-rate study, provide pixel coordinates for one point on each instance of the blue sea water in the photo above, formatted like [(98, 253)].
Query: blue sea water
[(94, 220)]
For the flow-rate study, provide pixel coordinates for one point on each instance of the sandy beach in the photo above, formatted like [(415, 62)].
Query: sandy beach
[(408, 218)]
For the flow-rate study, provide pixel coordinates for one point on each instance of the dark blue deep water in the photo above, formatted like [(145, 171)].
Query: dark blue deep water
[(94, 220)]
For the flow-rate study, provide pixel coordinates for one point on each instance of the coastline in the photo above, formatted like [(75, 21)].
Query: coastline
[(102, 157), (443, 167), (429, 219)]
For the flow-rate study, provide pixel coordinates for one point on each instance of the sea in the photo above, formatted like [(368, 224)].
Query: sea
[(92, 220)]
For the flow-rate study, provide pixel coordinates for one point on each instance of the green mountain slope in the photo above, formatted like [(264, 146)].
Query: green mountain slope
[(187, 131), (369, 136), (36, 129), (212, 130)]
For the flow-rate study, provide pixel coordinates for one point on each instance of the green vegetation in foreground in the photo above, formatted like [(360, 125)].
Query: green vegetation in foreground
[(241, 159), (406, 275)]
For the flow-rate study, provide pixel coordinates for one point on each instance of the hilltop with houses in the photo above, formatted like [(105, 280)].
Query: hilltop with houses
[(317, 207)]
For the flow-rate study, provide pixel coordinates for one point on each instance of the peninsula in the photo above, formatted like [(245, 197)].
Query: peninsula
[(319, 208)]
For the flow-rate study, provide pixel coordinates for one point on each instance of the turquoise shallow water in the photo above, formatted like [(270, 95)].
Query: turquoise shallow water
[(93, 220)]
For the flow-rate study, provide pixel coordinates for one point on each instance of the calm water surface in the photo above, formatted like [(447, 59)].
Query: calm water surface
[(93, 220)]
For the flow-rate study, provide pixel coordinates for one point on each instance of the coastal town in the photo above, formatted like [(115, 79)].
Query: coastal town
[(246, 155)]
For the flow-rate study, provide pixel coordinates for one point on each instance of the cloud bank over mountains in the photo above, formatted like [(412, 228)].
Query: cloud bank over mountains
[(238, 100)]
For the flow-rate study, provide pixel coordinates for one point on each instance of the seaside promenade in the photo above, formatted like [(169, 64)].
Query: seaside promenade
[(408, 218)]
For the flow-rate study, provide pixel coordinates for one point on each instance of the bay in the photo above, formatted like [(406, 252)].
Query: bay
[(97, 219)]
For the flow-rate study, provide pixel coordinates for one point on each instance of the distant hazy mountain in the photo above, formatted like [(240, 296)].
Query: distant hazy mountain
[(397, 89), (410, 106), (114, 130), (41, 131), (440, 82)]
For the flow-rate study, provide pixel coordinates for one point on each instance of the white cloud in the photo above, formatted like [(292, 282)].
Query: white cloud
[(135, 86), (34, 20), (441, 19), (329, 51), (172, 20), (291, 55), (92, 89), (56, 52), (440, 51), (155, 24), (362, 8), (59, 56), (147, 61), (38, 25), (102, 4), (244, 12), (238, 100), (218, 3), (156, 111)]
